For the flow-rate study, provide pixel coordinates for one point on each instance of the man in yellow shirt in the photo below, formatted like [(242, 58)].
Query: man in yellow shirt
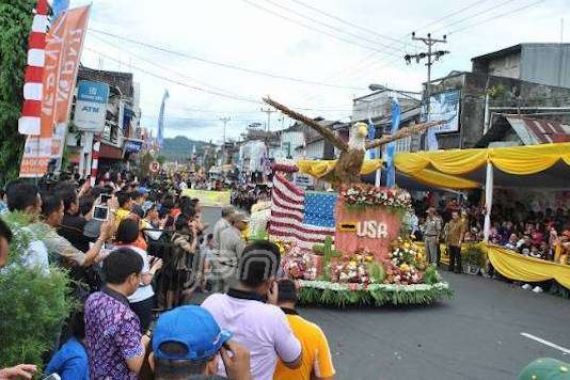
[(316, 361)]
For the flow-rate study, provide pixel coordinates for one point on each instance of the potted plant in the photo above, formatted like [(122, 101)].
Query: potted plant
[(473, 260)]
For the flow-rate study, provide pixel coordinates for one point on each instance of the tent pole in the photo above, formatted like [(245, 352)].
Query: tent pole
[(378, 177), (488, 201)]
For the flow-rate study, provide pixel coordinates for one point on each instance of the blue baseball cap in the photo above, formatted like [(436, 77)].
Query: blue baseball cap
[(192, 327)]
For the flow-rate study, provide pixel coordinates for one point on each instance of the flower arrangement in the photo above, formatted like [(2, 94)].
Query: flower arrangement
[(363, 195), (406, 264), (298, 264), (354, 269)]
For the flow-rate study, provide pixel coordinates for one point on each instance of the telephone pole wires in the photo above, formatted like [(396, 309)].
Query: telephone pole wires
[(431, 55)]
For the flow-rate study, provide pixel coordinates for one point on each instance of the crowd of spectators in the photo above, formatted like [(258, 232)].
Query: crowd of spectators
[(543, 234), (138, 252)]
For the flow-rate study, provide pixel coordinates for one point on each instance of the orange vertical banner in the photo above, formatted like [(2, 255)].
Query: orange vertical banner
[(64, 43)]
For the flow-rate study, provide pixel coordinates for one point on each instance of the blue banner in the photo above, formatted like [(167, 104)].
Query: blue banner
[(391, 148), (58, 7), (371, 153), (160, 135)]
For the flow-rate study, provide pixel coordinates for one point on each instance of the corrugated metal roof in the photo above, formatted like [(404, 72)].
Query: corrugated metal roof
[(534, 131)]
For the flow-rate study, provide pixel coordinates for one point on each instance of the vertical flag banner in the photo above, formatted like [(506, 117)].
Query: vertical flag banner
[(160, 135), (64, 43), (391, 148), (371, 153), (29, 122)]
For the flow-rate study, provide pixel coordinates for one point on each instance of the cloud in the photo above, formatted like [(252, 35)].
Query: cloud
[(238, 33)]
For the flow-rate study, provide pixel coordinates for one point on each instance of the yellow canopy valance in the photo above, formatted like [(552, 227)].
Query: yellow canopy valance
[(445, 168), (321, 168), (522, 268), (519, 160)]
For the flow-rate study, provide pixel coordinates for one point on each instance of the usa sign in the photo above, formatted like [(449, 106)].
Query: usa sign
[(91, 106)]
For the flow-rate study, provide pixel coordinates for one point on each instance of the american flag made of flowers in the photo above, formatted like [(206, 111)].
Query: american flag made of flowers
[(304, 218)]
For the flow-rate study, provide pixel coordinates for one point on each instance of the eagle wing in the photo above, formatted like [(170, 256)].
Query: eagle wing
[(403, 133), (325, 132)]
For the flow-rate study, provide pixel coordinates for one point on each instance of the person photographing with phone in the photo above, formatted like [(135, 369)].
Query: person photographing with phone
[(188, 342), (248, 310)]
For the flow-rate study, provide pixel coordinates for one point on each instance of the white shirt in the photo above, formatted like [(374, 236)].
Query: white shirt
[(144, 292), (36, 254), (262, 328)]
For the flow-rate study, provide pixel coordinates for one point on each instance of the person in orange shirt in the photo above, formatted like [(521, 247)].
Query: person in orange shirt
[(316, 361)]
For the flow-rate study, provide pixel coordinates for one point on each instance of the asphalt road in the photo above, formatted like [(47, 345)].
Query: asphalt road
[(477, 335)]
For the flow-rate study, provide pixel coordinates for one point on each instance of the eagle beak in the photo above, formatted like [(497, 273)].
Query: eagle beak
[(363, 131)]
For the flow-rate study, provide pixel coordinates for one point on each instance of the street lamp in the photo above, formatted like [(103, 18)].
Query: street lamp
[(379, 87)]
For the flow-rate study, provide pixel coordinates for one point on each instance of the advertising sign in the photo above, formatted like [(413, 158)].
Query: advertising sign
[(444, 106), (64, 43), (209, 198), (91, 106), (133, 146)]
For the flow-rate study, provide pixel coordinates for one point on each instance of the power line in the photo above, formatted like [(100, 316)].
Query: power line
[(158, 76), (336, 29), (443, 18), (309, 27), (217, 93), (486, 10), (405, 36), (221, 64), (508, 13), (130, 53), (315, 9)]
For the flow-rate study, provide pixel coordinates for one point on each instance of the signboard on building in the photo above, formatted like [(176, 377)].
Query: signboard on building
[(133, 146), (91, 106), (444, 106), (303, 180)]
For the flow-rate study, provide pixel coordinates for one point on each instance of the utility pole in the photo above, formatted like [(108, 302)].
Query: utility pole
[(268, 111), (430, 42), (225, 121)]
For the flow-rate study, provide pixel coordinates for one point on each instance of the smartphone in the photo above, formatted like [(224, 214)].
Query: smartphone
[(101, 213), (53, 376), (105, 197)]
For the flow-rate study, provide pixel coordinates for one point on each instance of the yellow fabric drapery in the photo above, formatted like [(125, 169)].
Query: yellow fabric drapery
[(528, 159), (320, 168), (519, 160), (522, 268), (436, 179)]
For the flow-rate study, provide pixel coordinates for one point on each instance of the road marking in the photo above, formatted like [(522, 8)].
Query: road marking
[(546, 343)]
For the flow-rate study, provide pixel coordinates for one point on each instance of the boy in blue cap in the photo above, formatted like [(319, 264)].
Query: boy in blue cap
[(186, 343)]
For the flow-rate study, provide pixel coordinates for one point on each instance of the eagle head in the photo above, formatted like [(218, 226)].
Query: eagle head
[(358, 133)]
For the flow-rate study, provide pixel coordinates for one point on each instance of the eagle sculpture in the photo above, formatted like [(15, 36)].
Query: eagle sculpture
[(349, 164)]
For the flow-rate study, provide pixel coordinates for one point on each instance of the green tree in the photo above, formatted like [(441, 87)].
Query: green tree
[(15, 25), (33, 305)]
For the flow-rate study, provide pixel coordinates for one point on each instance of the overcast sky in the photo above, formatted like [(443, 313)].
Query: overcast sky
[(361, 42)]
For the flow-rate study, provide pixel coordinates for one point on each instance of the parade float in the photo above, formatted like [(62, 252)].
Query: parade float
[(350, 246)]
